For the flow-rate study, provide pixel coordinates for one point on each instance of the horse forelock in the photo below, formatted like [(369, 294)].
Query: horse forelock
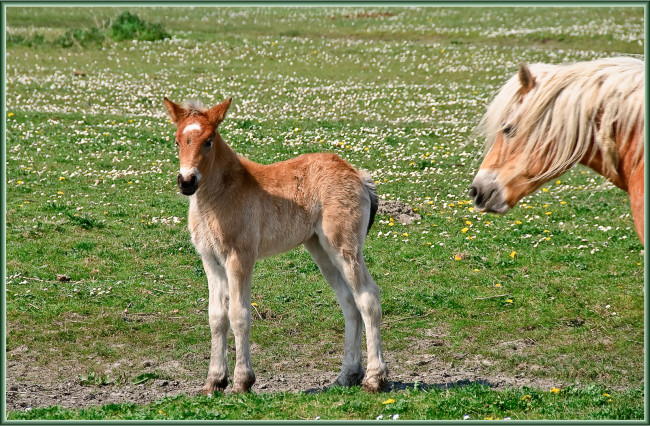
[(570, 107)]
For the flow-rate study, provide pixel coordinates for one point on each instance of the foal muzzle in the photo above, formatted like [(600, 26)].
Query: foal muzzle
[(187, 185)]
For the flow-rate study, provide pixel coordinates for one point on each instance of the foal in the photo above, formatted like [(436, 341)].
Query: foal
[(241, 211)]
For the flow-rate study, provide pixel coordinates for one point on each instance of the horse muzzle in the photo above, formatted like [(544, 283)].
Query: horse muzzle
[(488, 193)]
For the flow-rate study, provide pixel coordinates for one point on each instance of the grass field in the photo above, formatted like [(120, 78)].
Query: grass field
[(550, 296)]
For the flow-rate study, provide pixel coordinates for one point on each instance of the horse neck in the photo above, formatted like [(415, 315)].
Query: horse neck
[(628, 161)]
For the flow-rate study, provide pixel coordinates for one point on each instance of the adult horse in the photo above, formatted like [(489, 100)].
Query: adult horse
[(548, 118)]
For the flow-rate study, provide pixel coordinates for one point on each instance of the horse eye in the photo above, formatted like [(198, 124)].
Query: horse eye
[(176, 143), (208, 143), (509, 130)]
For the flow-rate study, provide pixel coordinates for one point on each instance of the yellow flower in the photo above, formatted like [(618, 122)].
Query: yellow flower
[(11, 114), (497, 284), (62, 178), (389, 401), (405, 234), (456, 257), (467, 222), (544, 189), (475, 270), (509, 300), (555, 390), (546, 231), (557, 182), (20, 182), (391, 224), (253, 304), (606, 395), (470, 209), (60, 192), (297, 129), (513, 254), (518, 222), (464, 230), (548, 213), (525, 397), (563, 202)]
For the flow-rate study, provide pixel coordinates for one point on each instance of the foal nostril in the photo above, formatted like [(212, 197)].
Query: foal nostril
[(186, 184)]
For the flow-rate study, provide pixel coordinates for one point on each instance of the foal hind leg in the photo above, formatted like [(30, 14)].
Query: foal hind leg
[(218, 315), (366, 297), (351, 369)]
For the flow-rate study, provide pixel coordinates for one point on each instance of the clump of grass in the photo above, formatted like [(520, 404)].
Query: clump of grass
[(128, 26), (81, 37)]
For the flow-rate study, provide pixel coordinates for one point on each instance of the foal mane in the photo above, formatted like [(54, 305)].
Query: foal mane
[(570, 108)]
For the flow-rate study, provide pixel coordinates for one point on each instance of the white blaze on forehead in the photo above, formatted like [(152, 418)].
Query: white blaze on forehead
[(192, 127)]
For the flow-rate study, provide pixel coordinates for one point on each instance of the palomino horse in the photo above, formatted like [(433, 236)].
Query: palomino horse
[(548, 118), (241, 211)]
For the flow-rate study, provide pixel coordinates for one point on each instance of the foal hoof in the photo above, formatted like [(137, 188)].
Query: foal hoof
[(243, 383), (350, 378), (212, 386), (376, 383)]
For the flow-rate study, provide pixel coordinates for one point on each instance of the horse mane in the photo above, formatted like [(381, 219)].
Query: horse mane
[(572, 111)]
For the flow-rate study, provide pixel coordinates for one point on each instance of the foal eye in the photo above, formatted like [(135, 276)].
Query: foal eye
[(176, 143), (208, 143)]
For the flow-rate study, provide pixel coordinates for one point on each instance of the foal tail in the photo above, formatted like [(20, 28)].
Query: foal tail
[(371, 188)]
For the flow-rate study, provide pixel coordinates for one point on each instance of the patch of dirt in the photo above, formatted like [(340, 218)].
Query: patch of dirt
[(401, 212), (30, 385)]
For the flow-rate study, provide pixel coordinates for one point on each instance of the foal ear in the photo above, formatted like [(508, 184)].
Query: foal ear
[(217, 113), (526, 78), (176, 112)]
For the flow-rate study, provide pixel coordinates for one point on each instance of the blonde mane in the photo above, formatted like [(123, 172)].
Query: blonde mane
[(572, 111)]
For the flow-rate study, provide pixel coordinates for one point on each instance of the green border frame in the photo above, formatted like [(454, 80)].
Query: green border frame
[(301, 3)]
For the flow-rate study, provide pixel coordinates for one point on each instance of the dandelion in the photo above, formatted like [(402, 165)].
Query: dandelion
[(548, 213), (11, 114), (464, 230), (253, 304), (544, 189), (20, 182), (467, 222), (509, 301), (60, 192), (496, 285), (475, 270), (405, 234), (606, 395), (62, 178), (557, 182), (563, 202), (389, 401), (457, 257), (555, 390), (513, 254), (525, 397)]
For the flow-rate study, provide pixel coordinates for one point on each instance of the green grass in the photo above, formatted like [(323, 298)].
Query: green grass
[(91, 194), (475, 401)]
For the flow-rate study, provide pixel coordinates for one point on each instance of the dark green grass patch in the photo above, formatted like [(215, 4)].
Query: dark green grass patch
[(471, 402)]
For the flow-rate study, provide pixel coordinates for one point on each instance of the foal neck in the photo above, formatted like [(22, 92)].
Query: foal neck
[(225, 172)]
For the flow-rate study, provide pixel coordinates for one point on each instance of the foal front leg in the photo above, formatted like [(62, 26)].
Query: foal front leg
[(218, 315), (239, 269)]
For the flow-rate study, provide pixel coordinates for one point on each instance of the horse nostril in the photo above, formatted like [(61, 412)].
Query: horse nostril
[(192, 181), (473, 192)]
